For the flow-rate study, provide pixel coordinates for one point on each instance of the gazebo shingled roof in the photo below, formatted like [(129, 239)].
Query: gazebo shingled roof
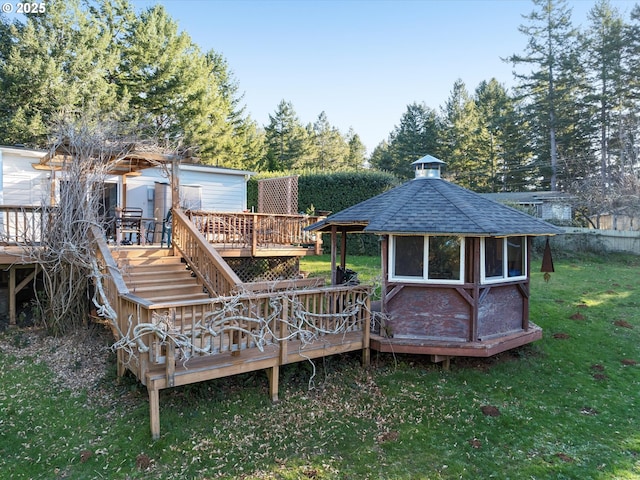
[(434, 206)]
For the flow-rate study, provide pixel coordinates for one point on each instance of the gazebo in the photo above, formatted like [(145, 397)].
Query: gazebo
[(455, 267)]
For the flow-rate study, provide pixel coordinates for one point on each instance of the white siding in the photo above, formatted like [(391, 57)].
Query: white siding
[(221, 190), (21, 183)]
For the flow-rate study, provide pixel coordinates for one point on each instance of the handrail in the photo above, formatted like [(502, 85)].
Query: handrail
[(202, 258)]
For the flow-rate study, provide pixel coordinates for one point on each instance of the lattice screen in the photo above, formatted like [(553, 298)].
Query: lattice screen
[(265, 269), (278, 196)]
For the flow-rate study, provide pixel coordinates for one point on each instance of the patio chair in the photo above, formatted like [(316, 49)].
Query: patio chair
[(167, 224), (129, 224)]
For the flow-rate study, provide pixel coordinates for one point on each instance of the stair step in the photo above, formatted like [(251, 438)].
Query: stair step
[(164, 282), (141, 252), (151, 261), (171, 288), (177, 298), (158, 270)]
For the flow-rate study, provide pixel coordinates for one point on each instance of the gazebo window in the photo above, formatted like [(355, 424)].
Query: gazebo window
[(503, 259), (424, 258)]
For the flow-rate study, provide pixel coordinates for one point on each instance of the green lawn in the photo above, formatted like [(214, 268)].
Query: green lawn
[(567, 407)]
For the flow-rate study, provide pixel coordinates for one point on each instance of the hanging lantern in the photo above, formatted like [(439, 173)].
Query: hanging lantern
[(547, 262)]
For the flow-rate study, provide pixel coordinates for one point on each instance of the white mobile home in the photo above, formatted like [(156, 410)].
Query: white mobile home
[(20, 183), (201, 188)]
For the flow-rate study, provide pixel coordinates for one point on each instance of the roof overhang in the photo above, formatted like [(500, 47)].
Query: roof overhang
[(125, 160)]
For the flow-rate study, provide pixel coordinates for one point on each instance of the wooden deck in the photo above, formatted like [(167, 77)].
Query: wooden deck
[(258, 234), (240, 328)]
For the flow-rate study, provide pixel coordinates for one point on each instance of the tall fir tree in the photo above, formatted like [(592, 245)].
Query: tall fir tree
[(416, 136), (503, 148), (287, 141), (331, 149), (550, 49), (357, 151), (463, 141)]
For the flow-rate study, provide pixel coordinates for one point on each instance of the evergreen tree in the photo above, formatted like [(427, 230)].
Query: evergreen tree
[(357, 151), (381, 158), (331, 149), (503, 144), (287, 141), (604, 42), (416, 136), (57, 62), (462, 140), (550, 55), (629, 130)]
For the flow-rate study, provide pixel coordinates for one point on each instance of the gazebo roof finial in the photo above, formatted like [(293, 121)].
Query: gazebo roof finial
[(428, 167)]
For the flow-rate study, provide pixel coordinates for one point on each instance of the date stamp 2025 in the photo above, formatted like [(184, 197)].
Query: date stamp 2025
[(24, 8)]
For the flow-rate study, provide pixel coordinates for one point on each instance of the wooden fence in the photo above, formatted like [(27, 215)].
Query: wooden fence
[(587, 239)]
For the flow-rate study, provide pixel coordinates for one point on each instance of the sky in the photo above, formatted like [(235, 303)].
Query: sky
[(362, 62)]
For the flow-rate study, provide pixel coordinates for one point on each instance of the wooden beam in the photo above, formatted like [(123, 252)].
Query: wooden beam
[(334, 241), (343, 248), (12, 295)]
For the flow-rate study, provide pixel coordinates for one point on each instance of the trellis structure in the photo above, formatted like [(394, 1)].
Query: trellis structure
[(278, 195)]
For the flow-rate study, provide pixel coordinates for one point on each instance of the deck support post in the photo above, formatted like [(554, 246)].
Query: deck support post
[(273, 374), (12, 295), (121, 370), (154, 410)]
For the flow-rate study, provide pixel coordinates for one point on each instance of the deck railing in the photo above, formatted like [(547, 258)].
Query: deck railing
[(254, 230), (202, 258), (23, 225)]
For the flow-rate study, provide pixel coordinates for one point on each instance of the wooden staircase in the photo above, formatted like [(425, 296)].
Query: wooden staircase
[(157, 276)]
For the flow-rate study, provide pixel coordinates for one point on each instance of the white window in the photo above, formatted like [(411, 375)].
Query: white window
[(503, 259), (426, 259)]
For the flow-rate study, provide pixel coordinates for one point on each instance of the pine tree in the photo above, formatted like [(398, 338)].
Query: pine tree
[(57, 63), (416, 136), (331, 149), (550, 50), (357, 151), (287, 141), (503, 144), (462, 140)]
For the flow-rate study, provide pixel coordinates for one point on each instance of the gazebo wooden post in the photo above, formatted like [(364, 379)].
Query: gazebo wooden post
[(525, 299), (385, 270), (343, 248), (473, 328), (334, 242)]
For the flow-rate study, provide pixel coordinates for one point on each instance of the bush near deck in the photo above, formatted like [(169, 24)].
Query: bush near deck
[(564, 407)]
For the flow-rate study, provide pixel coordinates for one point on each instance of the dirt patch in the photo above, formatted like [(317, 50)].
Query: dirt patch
[(475, 443), (565, 458), (628, 361), (78, 360), (577, 316), (588, 411), (582, 305), (561, 336), (622, 323), (597, 367), (490, 411), (600, 376), (387, 437)]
